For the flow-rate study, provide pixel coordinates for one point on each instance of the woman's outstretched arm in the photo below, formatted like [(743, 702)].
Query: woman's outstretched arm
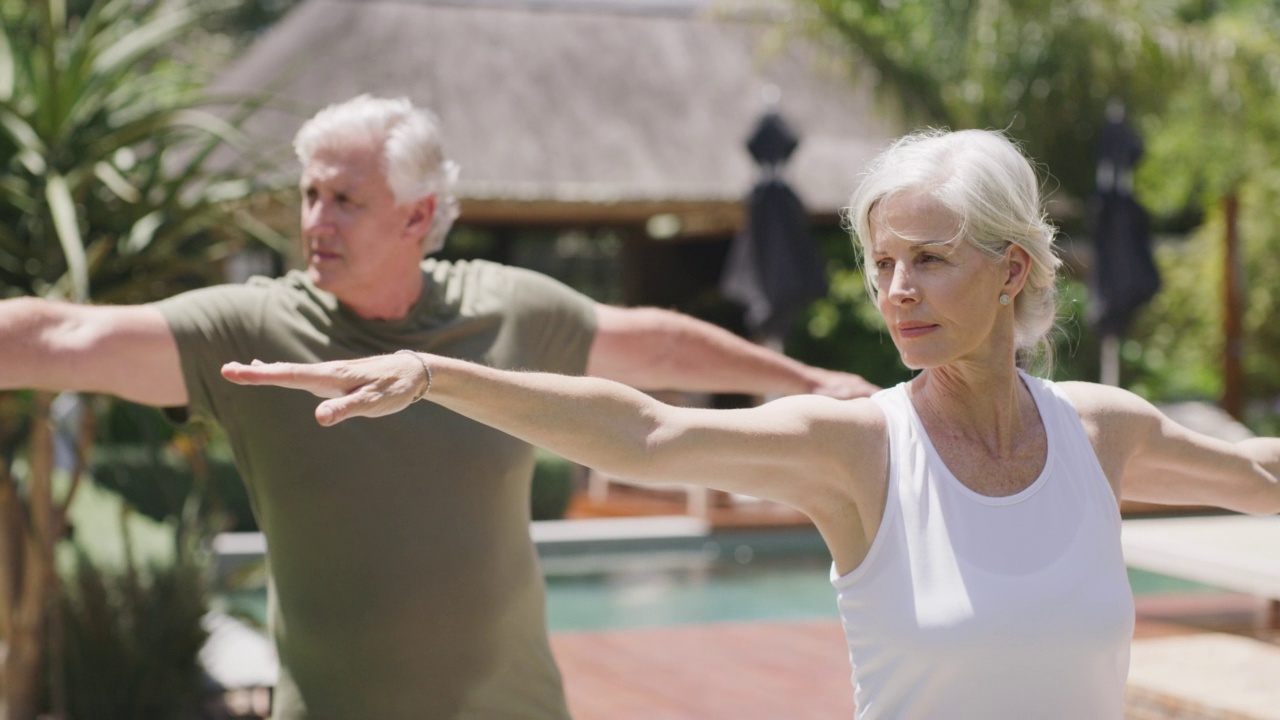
[(1154, 459), (799, 450)]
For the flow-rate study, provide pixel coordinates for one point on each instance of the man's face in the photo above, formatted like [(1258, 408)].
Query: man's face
[(356, 241)]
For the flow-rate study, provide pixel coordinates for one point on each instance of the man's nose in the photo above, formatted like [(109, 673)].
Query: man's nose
[(316, 216)]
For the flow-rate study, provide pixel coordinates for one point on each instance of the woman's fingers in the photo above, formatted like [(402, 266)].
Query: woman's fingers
[(367, 401), (368, 387), (320, 378), (332, 412)]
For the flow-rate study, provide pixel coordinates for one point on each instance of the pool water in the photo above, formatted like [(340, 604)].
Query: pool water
[(724, 580), (711, 591), (681, 589)]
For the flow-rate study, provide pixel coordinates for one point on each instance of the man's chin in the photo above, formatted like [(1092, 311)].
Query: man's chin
[(319, 278)]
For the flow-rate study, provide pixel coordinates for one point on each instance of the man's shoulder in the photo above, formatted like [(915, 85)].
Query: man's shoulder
[(486, 281), (256, 297), (471, 269)]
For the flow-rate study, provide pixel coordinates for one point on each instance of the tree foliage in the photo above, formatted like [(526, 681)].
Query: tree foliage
[(105, 191), (1043, 71), (1201, 81), (104, 196)]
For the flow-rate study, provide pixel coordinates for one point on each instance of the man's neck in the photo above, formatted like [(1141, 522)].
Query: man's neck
[(386, 303)]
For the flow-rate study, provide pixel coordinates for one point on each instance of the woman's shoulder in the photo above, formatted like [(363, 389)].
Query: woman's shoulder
[(857, 425), (1108, 408), (862, 412)]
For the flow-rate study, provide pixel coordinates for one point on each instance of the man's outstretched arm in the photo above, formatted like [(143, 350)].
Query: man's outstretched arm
[(125, 350), (656, 349)]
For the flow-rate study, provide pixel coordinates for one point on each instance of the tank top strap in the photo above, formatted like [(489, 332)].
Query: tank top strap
[(1062, 422), (893, 403)]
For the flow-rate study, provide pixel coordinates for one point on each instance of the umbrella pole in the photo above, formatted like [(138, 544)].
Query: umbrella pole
[(1111, 360)]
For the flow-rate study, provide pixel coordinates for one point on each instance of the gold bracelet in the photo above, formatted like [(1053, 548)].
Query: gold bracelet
[(425, 368)]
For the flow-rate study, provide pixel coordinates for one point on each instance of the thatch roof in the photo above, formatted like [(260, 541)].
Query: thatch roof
[(593, 110)]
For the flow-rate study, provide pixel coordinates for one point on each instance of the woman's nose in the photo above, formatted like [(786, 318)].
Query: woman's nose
[(902, 286)]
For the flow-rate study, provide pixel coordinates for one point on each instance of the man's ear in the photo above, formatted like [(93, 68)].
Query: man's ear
[(1018, 261), (421, 213)]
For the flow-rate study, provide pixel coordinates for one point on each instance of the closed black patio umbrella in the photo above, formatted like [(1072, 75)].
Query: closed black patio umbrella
[(1124, 275), (773, 267)]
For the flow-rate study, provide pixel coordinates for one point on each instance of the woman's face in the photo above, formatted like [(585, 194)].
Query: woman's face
[(938, 293)]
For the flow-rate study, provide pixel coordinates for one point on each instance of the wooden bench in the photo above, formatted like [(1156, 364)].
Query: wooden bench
[(1209, 676), (1233, 552)]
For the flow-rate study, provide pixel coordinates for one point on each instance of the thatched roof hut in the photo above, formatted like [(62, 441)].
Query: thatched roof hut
[(572, 112)]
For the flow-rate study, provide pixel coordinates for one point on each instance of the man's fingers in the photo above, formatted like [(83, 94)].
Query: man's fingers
[(848, 387)]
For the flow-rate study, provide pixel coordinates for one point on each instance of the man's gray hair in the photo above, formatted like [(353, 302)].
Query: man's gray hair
[(413, 158)]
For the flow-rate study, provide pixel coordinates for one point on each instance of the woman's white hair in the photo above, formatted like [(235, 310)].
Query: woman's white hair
[(991, 187), (413, 158)]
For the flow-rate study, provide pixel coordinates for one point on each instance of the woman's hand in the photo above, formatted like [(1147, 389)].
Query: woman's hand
[(366, 387)]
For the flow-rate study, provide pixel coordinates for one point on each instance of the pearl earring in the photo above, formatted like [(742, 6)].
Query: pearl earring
[(1005, 299)]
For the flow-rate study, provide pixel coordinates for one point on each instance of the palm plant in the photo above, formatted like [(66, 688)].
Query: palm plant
[(104, 195)]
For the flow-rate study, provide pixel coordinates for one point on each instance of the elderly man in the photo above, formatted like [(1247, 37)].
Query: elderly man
[(403, 581)]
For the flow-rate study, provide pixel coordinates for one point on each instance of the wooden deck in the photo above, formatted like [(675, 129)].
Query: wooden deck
[(746, 671), (800, 670), (771, 670)]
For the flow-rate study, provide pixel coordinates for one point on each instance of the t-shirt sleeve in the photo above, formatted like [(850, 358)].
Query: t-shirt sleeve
[(213, 326), (556, 323)]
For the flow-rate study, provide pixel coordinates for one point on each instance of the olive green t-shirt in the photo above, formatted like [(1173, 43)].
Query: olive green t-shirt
[(404, 584)]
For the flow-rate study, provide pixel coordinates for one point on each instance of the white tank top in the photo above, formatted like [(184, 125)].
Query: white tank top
[(969, 606)]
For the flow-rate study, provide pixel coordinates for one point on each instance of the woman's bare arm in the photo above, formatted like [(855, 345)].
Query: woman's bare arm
[(795, 450), (825, 457), (1154, 459)]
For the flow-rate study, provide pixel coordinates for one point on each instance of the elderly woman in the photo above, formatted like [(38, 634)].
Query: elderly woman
[(971, 512)]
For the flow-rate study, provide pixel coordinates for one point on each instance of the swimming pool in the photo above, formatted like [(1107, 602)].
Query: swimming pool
[(691, 579), (734, 577)]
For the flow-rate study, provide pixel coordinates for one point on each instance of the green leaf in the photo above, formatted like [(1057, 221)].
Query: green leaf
[(8, 69), (145, 39), (107, 173), (142, 233), (30, 148), (66, 225)]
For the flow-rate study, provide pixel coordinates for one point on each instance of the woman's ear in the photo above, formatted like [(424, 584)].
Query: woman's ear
[(1018, 262)]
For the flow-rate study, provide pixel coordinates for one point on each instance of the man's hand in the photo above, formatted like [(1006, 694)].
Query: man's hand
[(840, 385), (367, 387)]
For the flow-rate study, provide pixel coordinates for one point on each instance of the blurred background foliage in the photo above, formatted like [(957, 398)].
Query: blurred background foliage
[(105, 196), (1200, 81)]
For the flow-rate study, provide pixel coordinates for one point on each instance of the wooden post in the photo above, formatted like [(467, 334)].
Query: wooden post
[(1232, 308)]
